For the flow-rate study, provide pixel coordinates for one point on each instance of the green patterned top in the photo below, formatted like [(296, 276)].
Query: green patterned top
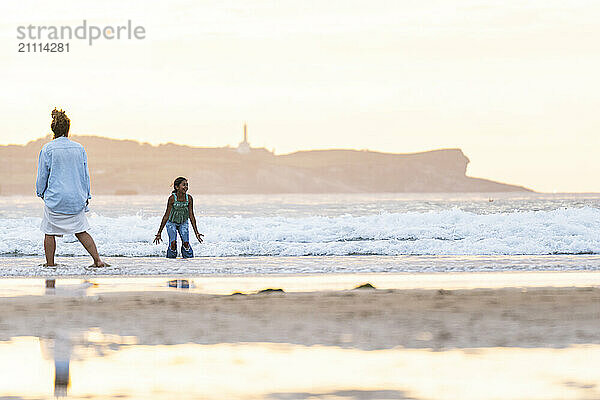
[(179, 211)]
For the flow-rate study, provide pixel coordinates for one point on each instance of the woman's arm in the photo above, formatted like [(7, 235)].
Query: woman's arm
[(165, 218), (193, 219), (86, 177), (41, 183)]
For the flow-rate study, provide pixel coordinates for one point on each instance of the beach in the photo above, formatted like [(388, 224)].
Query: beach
[(364, 318), (470, 299), (366, 343), (290, 200)]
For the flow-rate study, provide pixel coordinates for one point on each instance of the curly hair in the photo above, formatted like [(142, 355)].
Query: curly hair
[(177, 183), (60, 123)]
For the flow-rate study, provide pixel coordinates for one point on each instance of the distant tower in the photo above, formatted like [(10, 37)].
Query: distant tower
[(244, 147)]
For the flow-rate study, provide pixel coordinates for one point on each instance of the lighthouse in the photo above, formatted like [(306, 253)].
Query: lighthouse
[(244, 147)]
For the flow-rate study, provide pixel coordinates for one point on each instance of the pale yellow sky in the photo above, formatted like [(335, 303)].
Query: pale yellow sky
[(514, 83)]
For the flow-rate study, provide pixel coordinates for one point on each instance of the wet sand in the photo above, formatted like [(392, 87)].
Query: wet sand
[(427, 336), (365, 319)]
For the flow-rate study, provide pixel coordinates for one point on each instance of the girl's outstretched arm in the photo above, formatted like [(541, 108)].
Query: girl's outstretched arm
[(165, 218), (193, 219)]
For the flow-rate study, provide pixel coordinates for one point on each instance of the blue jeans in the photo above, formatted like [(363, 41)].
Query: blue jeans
[(184, 233)]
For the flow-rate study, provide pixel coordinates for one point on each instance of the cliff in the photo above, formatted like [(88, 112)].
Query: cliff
[(129, 167)]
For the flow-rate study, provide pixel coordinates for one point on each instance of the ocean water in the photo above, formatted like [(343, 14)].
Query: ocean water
[(324, 233)]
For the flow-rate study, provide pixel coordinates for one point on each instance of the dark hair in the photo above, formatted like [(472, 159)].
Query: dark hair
[(60, 123), (177, 182)]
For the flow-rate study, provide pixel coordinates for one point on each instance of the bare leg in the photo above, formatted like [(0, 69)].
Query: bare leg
[(49, 249), (87, 242)]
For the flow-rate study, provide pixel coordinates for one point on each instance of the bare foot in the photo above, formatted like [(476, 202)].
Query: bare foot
[(48, 265), (100, 264)]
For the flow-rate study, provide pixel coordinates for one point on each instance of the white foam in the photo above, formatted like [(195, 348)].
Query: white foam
[(450, 232)]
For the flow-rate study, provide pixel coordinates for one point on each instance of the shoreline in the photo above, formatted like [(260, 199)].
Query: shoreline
[(78, 266), (296, 283)]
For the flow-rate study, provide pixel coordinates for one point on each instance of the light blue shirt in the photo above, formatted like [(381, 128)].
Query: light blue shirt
[(63, 179)]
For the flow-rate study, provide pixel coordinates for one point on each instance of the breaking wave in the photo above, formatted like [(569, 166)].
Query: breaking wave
[(449, 232)]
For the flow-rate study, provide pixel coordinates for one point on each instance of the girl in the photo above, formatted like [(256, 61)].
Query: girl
[(180, 208)]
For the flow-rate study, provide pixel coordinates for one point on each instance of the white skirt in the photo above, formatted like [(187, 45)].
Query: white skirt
[(63, 224)]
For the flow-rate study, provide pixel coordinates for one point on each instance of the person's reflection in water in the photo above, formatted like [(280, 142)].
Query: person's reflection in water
[(62, 358), (61, 351), (50, 286)]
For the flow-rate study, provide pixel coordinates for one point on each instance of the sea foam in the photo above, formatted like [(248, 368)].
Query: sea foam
[(448, 232)]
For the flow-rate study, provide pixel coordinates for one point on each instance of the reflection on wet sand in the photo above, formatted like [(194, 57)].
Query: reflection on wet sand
[(179, 284), (60, 349), (224, 285), (535, 343), (62, 358), (286, 371)]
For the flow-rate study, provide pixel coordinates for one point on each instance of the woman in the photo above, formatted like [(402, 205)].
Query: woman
[(63, 181)]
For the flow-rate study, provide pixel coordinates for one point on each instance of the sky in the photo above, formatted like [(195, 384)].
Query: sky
[(514, 84)]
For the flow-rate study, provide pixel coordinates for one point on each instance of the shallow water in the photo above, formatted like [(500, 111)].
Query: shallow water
[(214, 284), (59, 341), (224, 266), (94, 364)]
